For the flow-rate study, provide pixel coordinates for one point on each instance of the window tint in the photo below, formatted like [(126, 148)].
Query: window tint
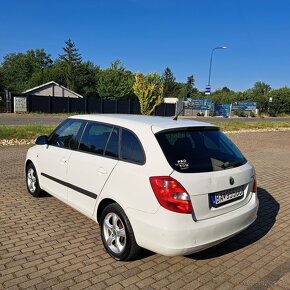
[(131, 149), (65, 136), (112, 148), (95, 138), (199, 150)]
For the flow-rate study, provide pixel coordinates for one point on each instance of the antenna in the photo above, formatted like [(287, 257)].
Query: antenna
[(176, 116)]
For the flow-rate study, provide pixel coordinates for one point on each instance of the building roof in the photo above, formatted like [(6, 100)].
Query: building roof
[(51, 83)]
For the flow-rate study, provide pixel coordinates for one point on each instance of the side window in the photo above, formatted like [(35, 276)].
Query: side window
[(112, 148), (131, 149), (95, 138), (65, 135)]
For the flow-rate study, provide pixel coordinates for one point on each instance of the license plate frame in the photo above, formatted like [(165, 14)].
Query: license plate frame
[(223, 197)]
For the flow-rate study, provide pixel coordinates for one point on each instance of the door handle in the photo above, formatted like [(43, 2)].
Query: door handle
[(102, 170)]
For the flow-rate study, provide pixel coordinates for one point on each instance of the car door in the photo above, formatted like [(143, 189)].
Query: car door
[(90, 166), (53, 160)]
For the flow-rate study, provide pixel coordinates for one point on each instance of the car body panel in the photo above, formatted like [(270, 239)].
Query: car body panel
[(90, 172), (200, 185), (52, 162)]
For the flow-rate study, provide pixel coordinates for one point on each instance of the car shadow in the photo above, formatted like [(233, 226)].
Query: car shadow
[(44, 194), (266, 218)]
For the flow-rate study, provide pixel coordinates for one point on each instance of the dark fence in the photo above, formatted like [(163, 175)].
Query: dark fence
[(48, 104)]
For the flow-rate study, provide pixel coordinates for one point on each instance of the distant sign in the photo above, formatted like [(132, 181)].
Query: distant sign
[(20, 104), (199, 104), (207, 90), (222, 110), (244, 106)]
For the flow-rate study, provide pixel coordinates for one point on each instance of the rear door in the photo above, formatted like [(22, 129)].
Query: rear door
[(90, 166), (210, 167)]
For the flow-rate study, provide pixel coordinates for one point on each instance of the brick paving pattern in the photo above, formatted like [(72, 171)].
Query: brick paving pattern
[(44, 244)]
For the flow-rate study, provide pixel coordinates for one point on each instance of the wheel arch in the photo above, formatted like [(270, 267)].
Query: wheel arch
[(102, 205), (27, 162)]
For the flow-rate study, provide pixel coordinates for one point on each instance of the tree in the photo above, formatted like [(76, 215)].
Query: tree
[(169, 84), (18, 68), (2, 85), (261, 88), (224, 96), (190, 87), (72, 59), (259, 94), (115, 82), (88, 79), (280, 101), (149, 90)]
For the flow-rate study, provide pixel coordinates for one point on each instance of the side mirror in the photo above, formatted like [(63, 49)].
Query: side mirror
[(41, 140)]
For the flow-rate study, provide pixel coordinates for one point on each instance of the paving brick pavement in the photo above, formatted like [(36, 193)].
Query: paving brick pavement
[(45, 244)]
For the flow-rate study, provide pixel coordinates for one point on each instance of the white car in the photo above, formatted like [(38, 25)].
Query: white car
[(174, 187)]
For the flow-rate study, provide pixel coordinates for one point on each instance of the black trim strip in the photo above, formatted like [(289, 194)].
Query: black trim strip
[(71, 186)]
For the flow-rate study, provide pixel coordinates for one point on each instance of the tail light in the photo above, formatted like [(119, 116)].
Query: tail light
[(171, 194)]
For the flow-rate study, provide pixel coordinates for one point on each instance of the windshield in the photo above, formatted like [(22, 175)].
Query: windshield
[(197, 149)]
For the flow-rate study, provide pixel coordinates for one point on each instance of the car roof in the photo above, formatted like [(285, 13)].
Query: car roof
[(134, 121)]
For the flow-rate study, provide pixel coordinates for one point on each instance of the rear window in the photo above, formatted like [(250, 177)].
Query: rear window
[(203, 149)]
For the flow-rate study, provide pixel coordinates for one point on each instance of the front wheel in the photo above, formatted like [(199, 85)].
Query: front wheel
[(117, 234), (32, 182)]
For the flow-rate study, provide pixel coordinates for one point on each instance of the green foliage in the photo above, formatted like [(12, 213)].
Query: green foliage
[(115, 82), (242, 125), (181, 91), (149, 90), (18, 68), (190, 87), (55, 73), (169, 84), (2, 84), (86, 83), (259, 94), (240, 113), (224, 96), (71, 59), (24, 132), (280, 101)]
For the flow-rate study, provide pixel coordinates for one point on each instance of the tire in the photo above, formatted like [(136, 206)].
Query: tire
[(117, 234), (32, 182)]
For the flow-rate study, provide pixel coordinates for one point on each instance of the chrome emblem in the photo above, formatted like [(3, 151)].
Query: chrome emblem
[(232, 181)]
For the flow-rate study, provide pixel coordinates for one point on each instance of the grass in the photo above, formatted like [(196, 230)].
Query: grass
[(240, 125), (32, 131), (24, 132)]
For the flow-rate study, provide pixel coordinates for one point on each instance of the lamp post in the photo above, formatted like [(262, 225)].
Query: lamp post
[(210, 64), (208, 89)]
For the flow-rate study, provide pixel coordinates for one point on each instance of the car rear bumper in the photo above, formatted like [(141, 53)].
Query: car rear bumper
[(173, 234)]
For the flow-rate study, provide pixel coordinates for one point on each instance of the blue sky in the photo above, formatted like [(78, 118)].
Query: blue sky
[(148, 35)]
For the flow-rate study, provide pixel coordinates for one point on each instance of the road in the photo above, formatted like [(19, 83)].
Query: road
[(45, 244), (46, 119)]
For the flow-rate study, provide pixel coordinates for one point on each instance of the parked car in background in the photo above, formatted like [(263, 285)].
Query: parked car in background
[(174, 187)]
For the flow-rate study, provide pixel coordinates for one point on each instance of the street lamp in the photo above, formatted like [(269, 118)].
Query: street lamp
[(210, 64)]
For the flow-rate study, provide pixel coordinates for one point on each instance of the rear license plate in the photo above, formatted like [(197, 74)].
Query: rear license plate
[(226, 196)]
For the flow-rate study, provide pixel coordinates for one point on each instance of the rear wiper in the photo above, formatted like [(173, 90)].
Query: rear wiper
[(228, 164)]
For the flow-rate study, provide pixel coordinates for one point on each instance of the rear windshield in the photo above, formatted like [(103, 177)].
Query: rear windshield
[(204, 149)]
